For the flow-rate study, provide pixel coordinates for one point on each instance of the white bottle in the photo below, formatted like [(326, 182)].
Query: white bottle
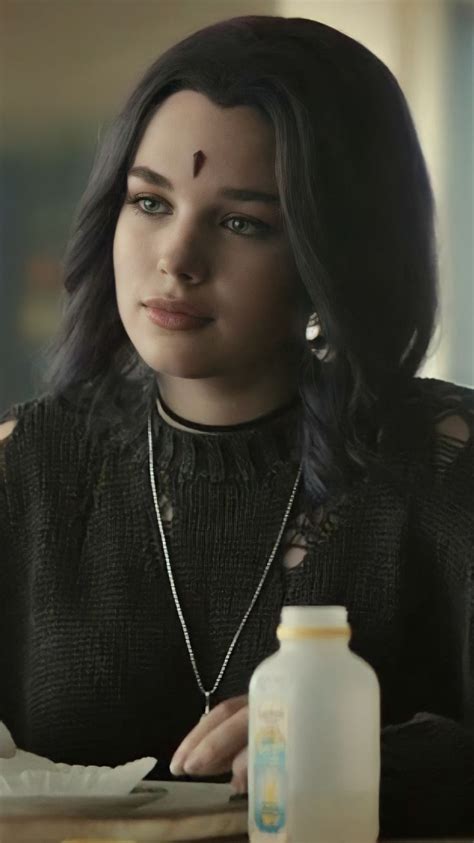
[(314, 735)]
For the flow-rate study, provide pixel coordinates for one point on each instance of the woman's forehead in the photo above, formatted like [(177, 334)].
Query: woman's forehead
[(190, 134)]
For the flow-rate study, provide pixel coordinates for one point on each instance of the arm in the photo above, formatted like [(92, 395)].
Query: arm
[(6, 428), (427, 783)]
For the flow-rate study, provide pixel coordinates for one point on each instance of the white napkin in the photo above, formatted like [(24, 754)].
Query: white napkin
[(25, 774)]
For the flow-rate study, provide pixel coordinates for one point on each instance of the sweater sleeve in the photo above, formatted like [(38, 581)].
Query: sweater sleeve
[(6, 550), (427, 776)]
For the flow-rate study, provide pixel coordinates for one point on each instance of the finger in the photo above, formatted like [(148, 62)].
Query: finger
[(219, 746), (206, 725), (239, 772), (239, 767), (217, 768)]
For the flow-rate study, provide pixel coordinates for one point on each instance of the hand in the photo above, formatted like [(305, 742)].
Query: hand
[(218, 744), (7, 744)]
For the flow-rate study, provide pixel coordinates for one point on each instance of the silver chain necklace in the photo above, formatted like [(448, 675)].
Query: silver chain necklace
[(209, 694)]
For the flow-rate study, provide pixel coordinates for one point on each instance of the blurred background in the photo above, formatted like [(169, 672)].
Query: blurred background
[(67, 65)]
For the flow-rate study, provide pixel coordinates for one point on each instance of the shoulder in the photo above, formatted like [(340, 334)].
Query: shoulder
[(30, 435), (52, 459), (41, 417), (47, 437), (439, 418), (432, 424), (440, 398), (61, 431), (442, 495), (447, 416)]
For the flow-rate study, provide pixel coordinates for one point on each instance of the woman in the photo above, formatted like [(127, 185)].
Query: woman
[(233, 423)]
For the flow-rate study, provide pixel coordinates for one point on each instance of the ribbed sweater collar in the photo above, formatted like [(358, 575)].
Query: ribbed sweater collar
[(242, 452)]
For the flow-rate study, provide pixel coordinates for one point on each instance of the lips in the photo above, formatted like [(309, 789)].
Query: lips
[(175, 306), (174, 314)]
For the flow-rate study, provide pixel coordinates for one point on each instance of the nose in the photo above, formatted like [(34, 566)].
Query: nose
[(181, 256)]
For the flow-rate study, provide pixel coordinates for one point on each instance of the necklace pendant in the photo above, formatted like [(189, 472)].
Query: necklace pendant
[(208, 703)]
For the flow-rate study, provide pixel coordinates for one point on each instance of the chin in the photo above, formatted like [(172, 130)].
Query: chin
[(181, 365)]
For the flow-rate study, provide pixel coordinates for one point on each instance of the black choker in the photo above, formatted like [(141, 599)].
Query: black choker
[(228, 428)]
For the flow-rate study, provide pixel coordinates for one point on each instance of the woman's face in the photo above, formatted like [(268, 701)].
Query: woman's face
[(197, 235)]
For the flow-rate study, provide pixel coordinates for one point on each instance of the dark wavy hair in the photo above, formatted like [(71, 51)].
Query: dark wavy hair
[(358, 209)]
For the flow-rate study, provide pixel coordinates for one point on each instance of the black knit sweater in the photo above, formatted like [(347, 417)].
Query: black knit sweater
[(93, 665)]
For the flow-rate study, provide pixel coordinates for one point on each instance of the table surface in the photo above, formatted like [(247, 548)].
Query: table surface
[(244, 839), (154, 813), (19, 830), (8, 834)]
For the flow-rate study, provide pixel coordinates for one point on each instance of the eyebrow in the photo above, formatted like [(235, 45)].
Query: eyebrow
[(239, 194)]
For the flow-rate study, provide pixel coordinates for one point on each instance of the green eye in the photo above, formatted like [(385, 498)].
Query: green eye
[(139, 206), (240, 226), (246, 227), (148, 199)]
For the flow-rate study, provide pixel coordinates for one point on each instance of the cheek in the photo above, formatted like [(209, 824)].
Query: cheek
[(121, 252), (133, 247), (123, 261), (284, 304), (265, 295), (128, 259)]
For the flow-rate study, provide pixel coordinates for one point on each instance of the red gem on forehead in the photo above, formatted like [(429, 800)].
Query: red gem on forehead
[(198, 159)]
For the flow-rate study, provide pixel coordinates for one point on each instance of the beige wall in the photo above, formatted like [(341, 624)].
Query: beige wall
[(73, 61)]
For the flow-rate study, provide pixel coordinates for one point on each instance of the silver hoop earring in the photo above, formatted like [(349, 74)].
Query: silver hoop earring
[(316, 341)]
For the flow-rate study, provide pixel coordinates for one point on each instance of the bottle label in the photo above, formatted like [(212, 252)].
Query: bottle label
[(270, 772)]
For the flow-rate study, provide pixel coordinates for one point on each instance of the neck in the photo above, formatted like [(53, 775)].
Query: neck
[(207, 402)]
